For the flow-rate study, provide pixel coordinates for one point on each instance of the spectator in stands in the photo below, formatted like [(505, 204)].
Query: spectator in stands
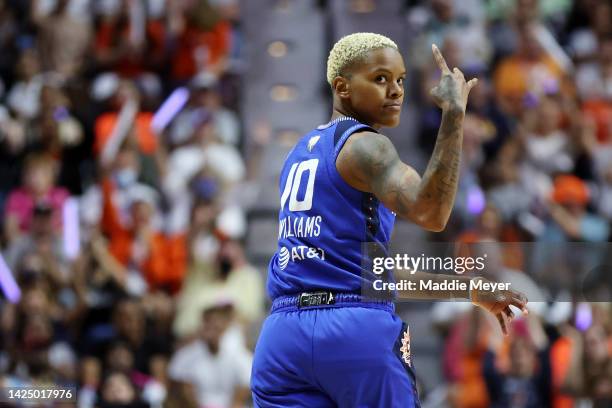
[(218, 369), (12, 147), (206, 94), (464, 350), (58, 132), (490, 228), (526, 71), (227, 274), (200, 39), (153, 258), (131, 329), (557, 261), (24, 95), (40, 250), (10, 31), (119, 42), (141, 132), (496, 125), (117, 390), (525, 380), (90, 380), (505, 17), (441, 20), (570, 219), (604, 176), (594, 83), (590, 371), (587, 25), (470, 200), (38, 188), (64, 38), (547, 146)]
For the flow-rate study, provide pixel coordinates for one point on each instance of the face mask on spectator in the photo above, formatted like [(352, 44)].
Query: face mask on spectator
[(205, 188), (225, 266), (125, 177), (204, 248)]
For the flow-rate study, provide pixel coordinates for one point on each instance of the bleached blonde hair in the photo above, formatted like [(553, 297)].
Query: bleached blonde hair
[(353, 47)]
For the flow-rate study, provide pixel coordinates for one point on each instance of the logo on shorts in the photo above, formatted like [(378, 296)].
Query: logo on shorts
[(283, 257), (405, 349)]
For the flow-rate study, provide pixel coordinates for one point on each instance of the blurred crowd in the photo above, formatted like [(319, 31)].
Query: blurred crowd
[(537, 170), (122, 181), (120, 220)]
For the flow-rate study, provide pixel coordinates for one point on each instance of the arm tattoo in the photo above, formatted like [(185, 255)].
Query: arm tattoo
[(370, 163), (441, 178)]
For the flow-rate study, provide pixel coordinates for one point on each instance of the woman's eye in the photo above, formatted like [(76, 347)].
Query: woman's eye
[(380, 79), (400, 81)]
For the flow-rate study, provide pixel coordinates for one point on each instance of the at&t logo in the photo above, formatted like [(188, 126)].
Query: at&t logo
[(298, 253), (283, 257)]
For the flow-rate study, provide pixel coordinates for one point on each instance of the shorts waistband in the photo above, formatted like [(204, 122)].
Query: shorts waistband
[(292, 303)]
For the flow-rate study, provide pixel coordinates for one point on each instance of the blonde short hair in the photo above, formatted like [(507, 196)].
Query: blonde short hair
[(353, 47)]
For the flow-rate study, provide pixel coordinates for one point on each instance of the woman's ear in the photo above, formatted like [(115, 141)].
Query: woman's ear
[(341, 87)]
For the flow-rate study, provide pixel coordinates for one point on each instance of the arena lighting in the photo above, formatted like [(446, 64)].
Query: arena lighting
[(168, 110), (70, 218), (277, 49), (288, 137), (584, 318), (283, 6), (9, 286), (476, 201), (283, 93), (363, 6)]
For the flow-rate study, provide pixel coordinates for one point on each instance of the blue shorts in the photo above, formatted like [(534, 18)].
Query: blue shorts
[(342, 355)]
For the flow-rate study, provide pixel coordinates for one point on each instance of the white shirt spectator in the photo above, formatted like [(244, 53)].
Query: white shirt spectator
[(215, 377), (24, 97), (549, 153), (227, 125), (592, 82)]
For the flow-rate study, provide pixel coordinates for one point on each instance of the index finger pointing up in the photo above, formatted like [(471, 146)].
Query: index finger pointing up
[(440, 59)]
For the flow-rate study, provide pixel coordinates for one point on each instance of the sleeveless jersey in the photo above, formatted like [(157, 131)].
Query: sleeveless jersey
[(324, 223)]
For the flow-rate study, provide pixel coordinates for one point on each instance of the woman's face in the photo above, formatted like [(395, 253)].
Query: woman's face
[(596, 344), (39, 178), (374, 88), (523, 357), (118, 389)]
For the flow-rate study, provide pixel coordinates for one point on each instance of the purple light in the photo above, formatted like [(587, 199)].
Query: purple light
[(584, 318), (72, 239), (9, 286), (476, 201), (168, 110)]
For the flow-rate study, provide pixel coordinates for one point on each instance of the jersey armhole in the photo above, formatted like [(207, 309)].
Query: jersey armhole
[(340, 140), (346, 134)]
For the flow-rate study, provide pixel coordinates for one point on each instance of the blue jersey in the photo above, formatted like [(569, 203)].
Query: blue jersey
[(324, 223)]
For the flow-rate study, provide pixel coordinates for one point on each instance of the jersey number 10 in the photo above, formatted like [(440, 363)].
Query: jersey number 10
[(292, 185)]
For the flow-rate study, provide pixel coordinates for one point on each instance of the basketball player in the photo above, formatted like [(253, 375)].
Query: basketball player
[(324, 344)]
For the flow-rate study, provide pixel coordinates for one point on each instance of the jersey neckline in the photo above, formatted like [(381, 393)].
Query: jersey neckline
[(335, 121)]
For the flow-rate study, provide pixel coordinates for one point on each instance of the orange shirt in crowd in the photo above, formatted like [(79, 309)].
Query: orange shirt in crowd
[(463, 365), (166, 260), (509, 245), (214, 44), (147, 142), (515, 76), (601, 113), (131, 66), (560, 358)]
